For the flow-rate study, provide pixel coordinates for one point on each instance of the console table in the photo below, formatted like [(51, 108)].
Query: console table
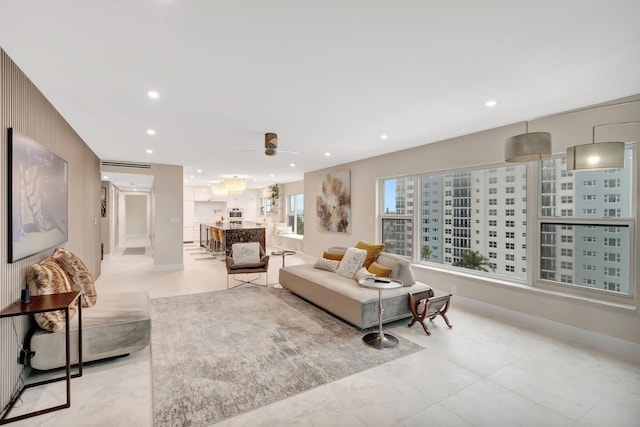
[(41, 304)]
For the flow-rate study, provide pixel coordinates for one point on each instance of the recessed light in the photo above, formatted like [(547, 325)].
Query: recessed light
[(199, 170), (327, 154), (149, 151), (151, 132), (293, 165), (491, 103), (186, 180), (105, 177), (272, 175), (384, 136), (153, 94), (192, 176)]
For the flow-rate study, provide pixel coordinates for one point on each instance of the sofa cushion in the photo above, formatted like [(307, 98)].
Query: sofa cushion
[(351, 262), (373, 250), (400, 267), (119, 324), (327, 264), (79, 276), (45, 278), (333, 256), (379, 270)]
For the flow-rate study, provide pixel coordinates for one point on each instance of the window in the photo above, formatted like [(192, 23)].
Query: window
[(591, 197), (585, 223), (471, 197), (295, 213)]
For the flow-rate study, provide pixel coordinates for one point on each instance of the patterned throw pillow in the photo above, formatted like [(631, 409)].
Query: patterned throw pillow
[(79, 275), (45, 278), (246, 252), (327, 264), (351, 262)]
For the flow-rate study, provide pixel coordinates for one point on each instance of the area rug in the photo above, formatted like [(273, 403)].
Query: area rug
[(219, 354), (134, 251)]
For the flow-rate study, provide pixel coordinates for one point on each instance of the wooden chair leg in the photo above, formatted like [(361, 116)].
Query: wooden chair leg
[(424, 326), (446, 320)]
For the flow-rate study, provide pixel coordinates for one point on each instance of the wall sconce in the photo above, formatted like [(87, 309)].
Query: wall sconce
[(596, 156), (528, 147)]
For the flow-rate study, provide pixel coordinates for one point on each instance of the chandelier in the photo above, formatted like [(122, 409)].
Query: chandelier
[(229, 186), (219, 190), (235, 185)]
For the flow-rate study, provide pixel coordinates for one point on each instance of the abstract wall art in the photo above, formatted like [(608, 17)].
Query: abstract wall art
[(333, 205)]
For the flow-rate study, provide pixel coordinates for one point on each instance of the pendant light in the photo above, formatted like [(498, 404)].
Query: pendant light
[(596, 156), (528, 147)]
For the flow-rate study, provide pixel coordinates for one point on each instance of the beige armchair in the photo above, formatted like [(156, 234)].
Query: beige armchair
[(247, 259)]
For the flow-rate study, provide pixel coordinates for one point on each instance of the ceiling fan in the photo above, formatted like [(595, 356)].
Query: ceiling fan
[(270, 145)]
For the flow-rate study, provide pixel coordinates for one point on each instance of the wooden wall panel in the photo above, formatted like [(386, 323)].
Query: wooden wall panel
[(24, 108)]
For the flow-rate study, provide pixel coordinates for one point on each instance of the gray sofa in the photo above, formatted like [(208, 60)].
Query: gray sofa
[(118, 324), (348, 300)]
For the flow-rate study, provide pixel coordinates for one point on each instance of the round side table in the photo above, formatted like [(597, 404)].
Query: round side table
[(283, 254), (379, 339)]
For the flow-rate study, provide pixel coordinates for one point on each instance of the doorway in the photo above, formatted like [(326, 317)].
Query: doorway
[(135, 220)]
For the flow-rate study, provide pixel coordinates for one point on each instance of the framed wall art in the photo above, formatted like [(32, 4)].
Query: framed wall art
[(333, 205), (103, 202), (38, 198)]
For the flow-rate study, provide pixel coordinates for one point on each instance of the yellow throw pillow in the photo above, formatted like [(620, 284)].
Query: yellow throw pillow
[(373, 250), (379, 270), (332, 256)]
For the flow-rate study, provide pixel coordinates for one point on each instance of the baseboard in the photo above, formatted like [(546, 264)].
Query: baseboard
[(168, 267), (619, 347)]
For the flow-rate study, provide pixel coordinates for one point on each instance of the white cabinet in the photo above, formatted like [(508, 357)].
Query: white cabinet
[(202, 194)]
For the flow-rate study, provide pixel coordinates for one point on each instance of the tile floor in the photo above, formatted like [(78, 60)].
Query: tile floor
[(483, 372)]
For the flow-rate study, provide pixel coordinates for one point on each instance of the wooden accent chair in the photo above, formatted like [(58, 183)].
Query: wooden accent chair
[(434, 306), (247, 266)]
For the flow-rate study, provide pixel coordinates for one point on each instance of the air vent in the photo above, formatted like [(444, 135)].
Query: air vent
[(126, 165)]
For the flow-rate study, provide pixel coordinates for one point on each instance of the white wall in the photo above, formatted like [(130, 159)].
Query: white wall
[(477, 149), (136, 214)]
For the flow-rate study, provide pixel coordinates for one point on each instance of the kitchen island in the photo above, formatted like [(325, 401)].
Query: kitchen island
[(234, 233)]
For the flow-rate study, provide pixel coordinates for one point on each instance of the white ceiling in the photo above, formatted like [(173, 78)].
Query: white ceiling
[(327, 76)]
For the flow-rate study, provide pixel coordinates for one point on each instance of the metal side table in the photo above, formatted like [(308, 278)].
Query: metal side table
[(379, 339)]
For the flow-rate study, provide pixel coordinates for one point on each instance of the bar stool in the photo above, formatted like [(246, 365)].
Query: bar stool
[(213, 241), (222, 241)]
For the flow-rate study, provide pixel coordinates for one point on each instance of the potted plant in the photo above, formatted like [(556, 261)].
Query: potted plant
[(275, 195), (275, 191)]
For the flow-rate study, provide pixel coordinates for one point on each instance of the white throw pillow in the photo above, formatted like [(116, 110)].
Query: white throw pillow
[(352, 261), (246, 252), (363, 273)]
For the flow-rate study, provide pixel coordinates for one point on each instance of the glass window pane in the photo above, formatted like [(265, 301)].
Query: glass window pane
[(468, 221), (594, 256), (397, 236), (300, 214), (398, 196), (589, 194)]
